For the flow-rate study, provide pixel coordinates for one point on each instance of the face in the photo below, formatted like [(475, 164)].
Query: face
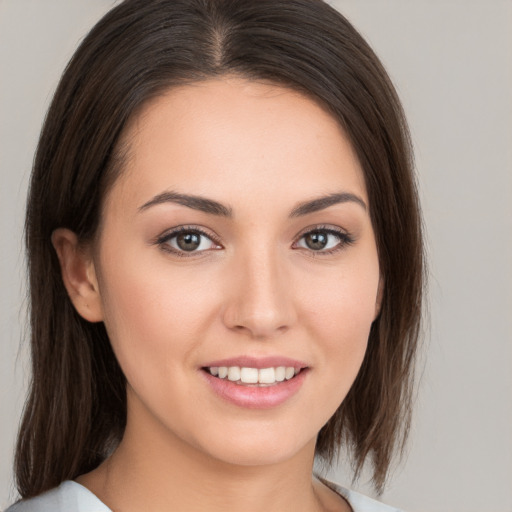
[(237, 270)]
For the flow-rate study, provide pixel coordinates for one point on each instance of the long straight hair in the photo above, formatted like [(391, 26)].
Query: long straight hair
[(75, 413)]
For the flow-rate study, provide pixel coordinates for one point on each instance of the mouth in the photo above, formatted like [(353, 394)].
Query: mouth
[(256, 382), (254, 377)]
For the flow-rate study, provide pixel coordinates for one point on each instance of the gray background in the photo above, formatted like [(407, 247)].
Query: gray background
[(452, 64)]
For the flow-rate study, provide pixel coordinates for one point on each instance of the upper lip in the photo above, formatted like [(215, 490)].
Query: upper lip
[(257, 362)]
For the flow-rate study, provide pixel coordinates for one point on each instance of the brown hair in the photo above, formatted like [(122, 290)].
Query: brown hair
[(76, 410)]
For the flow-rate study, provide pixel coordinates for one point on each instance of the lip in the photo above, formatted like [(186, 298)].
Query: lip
[(253, 396), (257, 362)]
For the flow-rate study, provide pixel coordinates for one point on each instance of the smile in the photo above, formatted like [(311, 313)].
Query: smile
[(253, 376)]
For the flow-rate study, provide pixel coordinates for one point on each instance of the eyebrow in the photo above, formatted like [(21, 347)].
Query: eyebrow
[(213, 207), (190, 201), (321, 203)]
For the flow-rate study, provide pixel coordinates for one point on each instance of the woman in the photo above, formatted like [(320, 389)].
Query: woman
[(225, 264)]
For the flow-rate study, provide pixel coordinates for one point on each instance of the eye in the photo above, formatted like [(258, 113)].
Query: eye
[(326, 240), (187, 240)]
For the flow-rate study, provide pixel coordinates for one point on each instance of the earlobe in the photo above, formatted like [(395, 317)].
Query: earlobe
[(78, 274)]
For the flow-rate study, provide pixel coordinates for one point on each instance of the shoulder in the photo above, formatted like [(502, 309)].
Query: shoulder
[(68, 497), (358, 502)]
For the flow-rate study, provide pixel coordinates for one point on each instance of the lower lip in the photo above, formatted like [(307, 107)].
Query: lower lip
[(256, 397)]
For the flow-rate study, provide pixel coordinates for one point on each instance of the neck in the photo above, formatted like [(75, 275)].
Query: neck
[(151, 465)]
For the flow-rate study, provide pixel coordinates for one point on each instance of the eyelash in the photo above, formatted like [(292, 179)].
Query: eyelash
[(345, 240), (163, 240)]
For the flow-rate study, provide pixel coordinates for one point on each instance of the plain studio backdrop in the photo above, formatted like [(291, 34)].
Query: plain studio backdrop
[(451, 61)]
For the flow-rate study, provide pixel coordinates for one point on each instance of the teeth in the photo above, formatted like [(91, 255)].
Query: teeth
[(254, 375), (266, 376), (249, 375), (280, 373), (234, 373)]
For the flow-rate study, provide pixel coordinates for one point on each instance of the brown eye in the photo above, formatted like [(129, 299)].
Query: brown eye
[(184, 240), (324, 240), (188, 241), (316, 240)]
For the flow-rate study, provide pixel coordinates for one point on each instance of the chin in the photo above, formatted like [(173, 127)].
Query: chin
[(259, 449)]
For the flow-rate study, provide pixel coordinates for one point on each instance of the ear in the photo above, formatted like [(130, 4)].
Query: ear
[(78, 275), (380, 294)]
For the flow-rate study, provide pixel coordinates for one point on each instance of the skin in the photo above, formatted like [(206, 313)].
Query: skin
[(258, 289)]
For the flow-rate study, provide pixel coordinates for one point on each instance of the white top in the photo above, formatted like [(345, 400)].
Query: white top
[(73, 497)]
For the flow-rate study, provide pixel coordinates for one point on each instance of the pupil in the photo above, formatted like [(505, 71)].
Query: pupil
[(188, 241), (316, 240)]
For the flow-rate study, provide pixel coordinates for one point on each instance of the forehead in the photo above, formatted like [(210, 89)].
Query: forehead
[(226, 135)]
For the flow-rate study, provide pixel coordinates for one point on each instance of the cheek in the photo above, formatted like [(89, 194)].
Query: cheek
[(152, 316), (340, 316), (344, 305)]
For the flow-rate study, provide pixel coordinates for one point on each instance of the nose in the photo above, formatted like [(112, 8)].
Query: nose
[(259, 300)]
